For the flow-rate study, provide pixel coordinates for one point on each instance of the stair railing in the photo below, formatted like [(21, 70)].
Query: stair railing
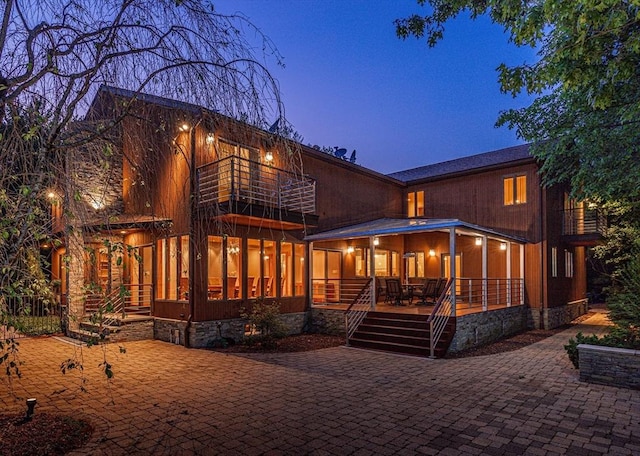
[(439, 318), (357, 310)]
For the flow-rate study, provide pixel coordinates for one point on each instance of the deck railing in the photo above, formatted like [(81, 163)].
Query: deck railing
[(439, 318), (122, 301), (357, 310), (483, 293), (235, 179), (581, 220), (337, 291)]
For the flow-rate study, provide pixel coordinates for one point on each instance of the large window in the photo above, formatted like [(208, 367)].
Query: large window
[(415, 204), (214, 267), (415, 264), (387, 262), (515, 190), (234, 268)]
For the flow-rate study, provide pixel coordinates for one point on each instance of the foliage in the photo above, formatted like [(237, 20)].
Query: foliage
[(583, 125), (572, 346), (265, 323)]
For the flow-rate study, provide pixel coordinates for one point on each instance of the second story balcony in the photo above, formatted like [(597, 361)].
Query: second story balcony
[(583, 225), (234, 180)]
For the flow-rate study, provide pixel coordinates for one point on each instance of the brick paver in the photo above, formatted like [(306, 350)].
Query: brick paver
[(166, 399)]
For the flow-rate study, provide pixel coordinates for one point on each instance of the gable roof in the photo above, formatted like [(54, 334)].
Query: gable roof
[(500, 157)]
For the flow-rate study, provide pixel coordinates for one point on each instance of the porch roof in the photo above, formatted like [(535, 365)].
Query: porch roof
[(391, 226)]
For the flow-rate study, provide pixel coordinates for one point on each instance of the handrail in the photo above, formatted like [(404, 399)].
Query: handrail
[(357, 310), (114, 306), (439, 317)]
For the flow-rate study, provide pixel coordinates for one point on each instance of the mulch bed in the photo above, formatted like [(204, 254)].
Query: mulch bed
[(44, 435)]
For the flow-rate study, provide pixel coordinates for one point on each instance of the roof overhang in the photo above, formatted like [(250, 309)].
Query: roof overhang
[(390, 227)]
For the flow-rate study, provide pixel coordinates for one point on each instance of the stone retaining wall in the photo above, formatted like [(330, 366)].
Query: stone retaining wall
[(327, 321), (207, 333), (609, 365), (558, 316), (139, 330), (481, 328)]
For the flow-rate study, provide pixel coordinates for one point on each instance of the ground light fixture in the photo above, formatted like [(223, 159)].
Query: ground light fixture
[(31, 405)]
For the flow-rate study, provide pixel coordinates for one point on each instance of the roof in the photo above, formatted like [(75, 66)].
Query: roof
[(465, 164), (390, 226)]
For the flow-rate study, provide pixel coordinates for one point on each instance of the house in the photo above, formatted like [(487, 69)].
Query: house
[(200, 216)]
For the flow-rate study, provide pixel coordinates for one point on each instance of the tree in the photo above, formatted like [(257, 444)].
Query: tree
[(583, 126), (55, 55), (584, 123)]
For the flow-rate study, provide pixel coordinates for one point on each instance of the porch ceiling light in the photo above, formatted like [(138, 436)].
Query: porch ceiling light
[(184, 127), (503, 246), (478, 241), (268, 156)]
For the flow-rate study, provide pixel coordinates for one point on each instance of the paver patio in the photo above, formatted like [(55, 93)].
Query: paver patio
[(165, 399)]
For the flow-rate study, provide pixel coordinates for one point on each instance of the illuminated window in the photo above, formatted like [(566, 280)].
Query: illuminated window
[(568, 263), (214, 267), (515, 190), (173, 268), (415, 204)]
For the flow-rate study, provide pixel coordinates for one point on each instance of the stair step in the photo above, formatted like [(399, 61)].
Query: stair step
[(395, 347), (384, 329), (392, 338), (87, 336)]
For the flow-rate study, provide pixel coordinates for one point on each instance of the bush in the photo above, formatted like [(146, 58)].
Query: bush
[(617, 338), (266, 326), (572, 346)]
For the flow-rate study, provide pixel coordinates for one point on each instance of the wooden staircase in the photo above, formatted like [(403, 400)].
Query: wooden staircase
[(400, 333)]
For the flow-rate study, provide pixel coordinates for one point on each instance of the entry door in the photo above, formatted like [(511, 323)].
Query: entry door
[(446, 270), (327, 271)]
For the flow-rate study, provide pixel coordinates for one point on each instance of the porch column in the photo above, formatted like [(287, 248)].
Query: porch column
[(508, 274), (452, 268), (485, 269), (309, 269), (521, 285), (372, 271)]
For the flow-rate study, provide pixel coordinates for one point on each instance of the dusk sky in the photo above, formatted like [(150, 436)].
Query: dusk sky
[(350, 82)]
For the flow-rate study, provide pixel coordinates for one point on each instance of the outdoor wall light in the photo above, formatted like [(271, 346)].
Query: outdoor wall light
[(503, 246), (350, 249), (268, 156), (210, 138), (376, 241), (478, 241), (51, 195), (184, 127), (432, 253), (31, 405)]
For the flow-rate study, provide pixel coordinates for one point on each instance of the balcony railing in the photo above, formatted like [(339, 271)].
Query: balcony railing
[(235, 179), (579, 221)]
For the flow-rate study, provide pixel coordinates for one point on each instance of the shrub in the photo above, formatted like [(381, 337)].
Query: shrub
[(266, 326)]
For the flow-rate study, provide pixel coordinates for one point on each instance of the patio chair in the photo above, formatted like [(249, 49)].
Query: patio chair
[(428, 292), (396, 293)]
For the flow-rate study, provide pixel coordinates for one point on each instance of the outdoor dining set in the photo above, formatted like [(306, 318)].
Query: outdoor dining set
[(397, 293)]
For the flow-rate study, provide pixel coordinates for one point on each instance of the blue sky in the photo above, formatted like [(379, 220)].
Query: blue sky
[(348, 81)]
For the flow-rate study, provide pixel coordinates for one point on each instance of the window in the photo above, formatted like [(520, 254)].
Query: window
[(415, 204), (234, 268), (415, 264), (515, 190), (299, 251), (568, 263), (214, 267), (554, 261), (387, 262)]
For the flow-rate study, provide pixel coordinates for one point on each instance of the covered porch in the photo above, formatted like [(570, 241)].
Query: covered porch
[(486, 271)]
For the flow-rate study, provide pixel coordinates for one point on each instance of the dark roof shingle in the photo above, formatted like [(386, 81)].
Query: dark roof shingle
[(464, 164)]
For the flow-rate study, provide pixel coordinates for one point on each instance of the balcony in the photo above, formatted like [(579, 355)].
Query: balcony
[(583, 226), (234, 180)]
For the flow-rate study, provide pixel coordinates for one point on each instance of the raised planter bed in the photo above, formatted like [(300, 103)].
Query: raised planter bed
[(609, 366)]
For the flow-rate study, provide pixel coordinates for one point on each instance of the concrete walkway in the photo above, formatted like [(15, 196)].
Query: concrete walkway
[(165, 399)]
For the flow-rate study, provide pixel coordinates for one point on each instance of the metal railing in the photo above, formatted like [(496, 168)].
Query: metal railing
[(439, 318), (124, 300), (580, 220), (234, 179), (22, 316), (482, 293), (358, 309), (336, 291)]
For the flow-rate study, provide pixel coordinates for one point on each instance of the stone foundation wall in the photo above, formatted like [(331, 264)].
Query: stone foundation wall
[(140, 330), (481, 328), (206, 333), (609, 366), (558, 316), (327, 321)]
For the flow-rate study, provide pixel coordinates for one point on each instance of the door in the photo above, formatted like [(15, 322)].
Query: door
[(327, 271)]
